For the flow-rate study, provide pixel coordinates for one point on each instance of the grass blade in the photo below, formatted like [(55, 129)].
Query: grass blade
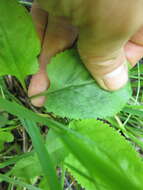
[(15, 159), (133, 111), (17, 182), (43, 155)]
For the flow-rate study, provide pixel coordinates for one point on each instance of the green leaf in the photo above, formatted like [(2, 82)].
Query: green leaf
[(43, 155), (57, 152), (18, 183), (120, 166), (82, 147), (22, 169), (22, 112), (15, 159), (19, 43), (3, 120), (74, 93), (5, 137), (133, 111), (43, 185), (55, 147)]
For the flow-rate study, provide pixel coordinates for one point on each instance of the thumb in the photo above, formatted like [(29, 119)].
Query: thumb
[(101, 47), (105, 61), (111, 73)]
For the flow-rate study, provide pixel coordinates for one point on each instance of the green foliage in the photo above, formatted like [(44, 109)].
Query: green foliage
[(95, 154), (23, 171), (131, 110), (45, 161), (17, 182), (3, 120), (74, 93), (57, 151), (115, 151), (102, 159), (19, 43), (5, 137), (56, 148)]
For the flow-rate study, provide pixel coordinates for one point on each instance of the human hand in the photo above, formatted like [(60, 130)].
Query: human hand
[(110, 35)]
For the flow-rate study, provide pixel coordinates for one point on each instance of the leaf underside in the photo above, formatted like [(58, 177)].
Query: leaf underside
[(75, 94)]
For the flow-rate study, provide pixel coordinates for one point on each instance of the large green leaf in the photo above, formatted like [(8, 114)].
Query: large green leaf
[(74, 93), (115, 151), (19, 44)]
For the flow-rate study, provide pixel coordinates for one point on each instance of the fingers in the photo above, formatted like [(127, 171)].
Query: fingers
[(101, 44), (59, 35), (40, 19), (134, 48), (38, 84)]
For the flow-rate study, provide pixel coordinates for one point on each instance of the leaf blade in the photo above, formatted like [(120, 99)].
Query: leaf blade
[(119, 163), (75, 93), (43, 155), (19, 42)]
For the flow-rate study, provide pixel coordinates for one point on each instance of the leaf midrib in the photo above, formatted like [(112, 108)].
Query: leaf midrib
[(71, 85)]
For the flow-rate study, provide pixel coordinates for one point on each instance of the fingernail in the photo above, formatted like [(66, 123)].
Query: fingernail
[(117, 78)]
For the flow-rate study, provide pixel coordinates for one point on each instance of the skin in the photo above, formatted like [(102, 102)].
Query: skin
[(110, 35)]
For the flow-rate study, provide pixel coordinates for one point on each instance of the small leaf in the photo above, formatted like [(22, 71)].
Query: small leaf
[(55, 147), (74, 93), (5, 137), (19, 43), (115, 151), (22, 169), (3, 120), (57, 151)]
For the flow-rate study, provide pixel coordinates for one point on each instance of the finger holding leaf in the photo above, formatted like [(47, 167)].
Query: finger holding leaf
[(109, 37)]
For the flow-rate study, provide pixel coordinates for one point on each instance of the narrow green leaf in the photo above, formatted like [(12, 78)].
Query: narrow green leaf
[(133, 111), (15, 159), (43, 155), (22, 112), (17, 182)]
